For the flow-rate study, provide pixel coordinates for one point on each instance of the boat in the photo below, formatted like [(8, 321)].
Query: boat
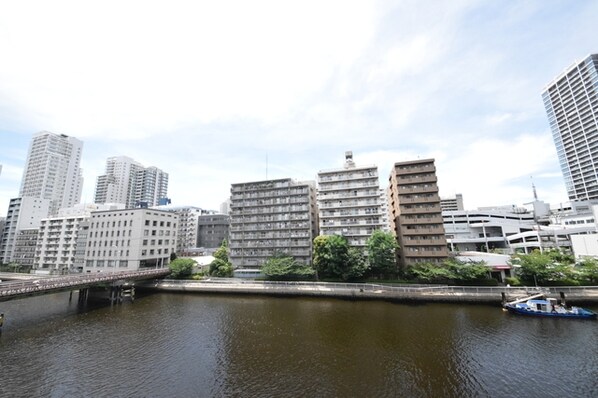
[(536, 305)]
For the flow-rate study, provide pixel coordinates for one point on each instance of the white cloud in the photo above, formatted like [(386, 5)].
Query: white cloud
[(205, 90)]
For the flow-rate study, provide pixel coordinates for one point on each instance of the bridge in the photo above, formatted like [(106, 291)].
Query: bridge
[(38, 285)]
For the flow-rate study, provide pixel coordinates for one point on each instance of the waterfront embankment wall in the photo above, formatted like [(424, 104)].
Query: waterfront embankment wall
[(371, 291)]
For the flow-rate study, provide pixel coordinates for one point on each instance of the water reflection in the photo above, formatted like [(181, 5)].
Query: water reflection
[(167, 345)]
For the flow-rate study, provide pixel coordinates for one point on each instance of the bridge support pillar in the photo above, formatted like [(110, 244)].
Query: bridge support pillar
[(83, 294)]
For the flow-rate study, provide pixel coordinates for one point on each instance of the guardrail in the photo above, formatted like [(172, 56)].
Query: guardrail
[(394, 289)]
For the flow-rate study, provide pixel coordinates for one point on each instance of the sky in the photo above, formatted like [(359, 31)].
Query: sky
[(216, 93)]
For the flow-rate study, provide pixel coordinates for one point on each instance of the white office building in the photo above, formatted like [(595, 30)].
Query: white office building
[(59, 237), (349, 202), (130, 239), (52, 170)]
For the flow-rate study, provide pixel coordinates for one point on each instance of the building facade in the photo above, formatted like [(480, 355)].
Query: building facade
[(52, 170), (130, 239), (23, 214), (349, 202), (269, 218), (188, 224), (212, 229), (415, 213), (571, 102), (452, 204), (128, 182), (485, 230)]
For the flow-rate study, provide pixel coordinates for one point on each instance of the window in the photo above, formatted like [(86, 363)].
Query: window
[(144, 242), (143, 252), (147, 222)]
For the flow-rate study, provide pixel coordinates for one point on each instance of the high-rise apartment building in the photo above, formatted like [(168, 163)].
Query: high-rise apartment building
[(52, 170), (571, 102), (349, 202), (269, 218), (415, 214), (128, 182)]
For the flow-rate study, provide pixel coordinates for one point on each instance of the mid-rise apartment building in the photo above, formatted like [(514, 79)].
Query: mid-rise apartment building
[(269, 218), (23, 213), (52, 170), (130, 239), (212, 230), (415, 213), (349, 202), (188, 226), (571, 102), (57, 243), (128, 182), (452, 203)]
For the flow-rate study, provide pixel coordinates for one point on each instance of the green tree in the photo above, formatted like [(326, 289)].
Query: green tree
[(358, 265), (181, 268), (382, 253), (429, 273), (331, 256), (542, 268), (283, 267), (467, 272), (221, 266), (222, 269), (222, 252), (587, 271)]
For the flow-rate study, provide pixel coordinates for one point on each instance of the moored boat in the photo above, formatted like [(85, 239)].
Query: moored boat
[(548, 307)]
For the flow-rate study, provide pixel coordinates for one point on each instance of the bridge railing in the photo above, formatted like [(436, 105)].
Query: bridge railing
[(8, 289)]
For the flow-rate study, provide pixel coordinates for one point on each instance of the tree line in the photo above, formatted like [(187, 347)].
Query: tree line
[(335, 259)]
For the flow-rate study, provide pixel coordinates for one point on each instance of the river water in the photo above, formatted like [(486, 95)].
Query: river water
[(177, 345)]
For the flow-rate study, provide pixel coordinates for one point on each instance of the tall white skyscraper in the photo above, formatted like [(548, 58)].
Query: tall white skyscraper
[(128, 182), (571, 102), (52, 170)]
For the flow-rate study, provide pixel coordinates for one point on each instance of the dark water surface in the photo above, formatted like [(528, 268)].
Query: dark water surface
[(174, 345)]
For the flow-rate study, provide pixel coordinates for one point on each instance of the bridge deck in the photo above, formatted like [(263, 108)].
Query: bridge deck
[(21, 289)]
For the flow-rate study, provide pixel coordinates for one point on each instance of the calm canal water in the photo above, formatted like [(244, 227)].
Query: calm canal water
[(174, 345)]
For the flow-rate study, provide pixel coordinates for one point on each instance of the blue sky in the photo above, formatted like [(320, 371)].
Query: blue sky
[(223, 92)]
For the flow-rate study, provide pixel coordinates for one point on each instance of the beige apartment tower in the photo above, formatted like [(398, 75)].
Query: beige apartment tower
[(350, 202), (415, 214)]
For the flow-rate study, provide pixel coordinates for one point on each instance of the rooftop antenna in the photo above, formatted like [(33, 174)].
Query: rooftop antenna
[(266, 165), (534, 189)]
